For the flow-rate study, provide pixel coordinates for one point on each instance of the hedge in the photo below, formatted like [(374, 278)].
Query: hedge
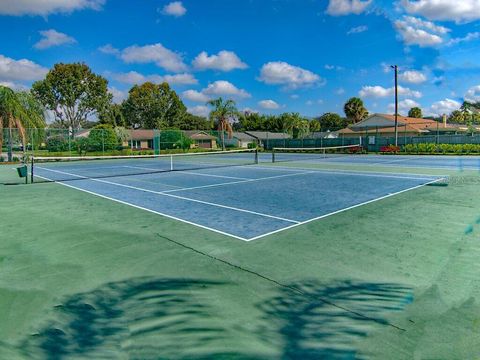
[(431, 148)]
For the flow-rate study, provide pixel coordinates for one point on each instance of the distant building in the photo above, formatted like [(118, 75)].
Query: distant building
[(241, 140), (263, 137), (324, 135), (384, 125), (202, 139)]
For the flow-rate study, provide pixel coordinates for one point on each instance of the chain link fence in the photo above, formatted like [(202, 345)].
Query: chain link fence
[(80, 142)]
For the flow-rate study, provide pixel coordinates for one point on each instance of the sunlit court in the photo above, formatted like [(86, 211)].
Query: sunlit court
[(244, 180)]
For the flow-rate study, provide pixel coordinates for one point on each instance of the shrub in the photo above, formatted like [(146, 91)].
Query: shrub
[(57, 143), (103, 137)]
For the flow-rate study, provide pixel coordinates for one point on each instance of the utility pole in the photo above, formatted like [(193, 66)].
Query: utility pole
[(395, 67)]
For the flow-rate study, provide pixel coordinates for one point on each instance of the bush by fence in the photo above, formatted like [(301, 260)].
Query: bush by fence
[(431, 148)]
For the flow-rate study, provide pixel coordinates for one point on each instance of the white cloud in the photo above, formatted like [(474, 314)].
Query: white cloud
[(473, 94), (357, 30), (466, 38), (413, 77), (134, 77), (414, 31), (20, 70), (195, 96), (14, 86), (282, 73), (52, 38), (444, 107), (175, 8), (346, 7), (224, 61), (449, 10), (118, 95), (225, 88), (403, 106), (340, 91), (269, 104), (294, 96), (46, 7), (200, 110), (334, 67), (156, 53), (109, 49), (180, 79), (379, 91)]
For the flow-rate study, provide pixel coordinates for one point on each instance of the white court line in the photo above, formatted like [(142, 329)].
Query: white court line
[(188, 172), (146, 209), (343, 210), (349, 172), (179, 197), (235, 236), (238, 182)]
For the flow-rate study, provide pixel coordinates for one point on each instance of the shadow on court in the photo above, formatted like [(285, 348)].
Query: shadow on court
[(150, 319), (312, 329), (142, 318)]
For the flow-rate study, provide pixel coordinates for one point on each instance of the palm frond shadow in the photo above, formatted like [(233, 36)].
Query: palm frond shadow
[(144, 318), (308, 327)]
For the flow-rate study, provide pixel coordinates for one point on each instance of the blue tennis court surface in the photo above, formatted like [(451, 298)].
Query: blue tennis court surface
[(447, 162), (245, 202)]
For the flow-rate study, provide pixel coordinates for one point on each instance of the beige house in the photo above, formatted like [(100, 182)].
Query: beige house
[(384, 125), (140, 139), (201, 139)]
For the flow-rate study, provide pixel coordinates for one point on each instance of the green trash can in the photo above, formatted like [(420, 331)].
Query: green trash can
[(23, 172)]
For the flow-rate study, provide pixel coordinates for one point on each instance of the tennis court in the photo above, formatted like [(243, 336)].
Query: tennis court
[(343, 256), (252, 201)]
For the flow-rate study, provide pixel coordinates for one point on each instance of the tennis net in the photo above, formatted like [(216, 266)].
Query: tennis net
[(51, 169), (304, 154)]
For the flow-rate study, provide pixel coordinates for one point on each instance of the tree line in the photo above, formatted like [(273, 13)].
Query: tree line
[(79, 98)]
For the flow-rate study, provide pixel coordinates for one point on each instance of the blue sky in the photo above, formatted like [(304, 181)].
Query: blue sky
[(271, 56)]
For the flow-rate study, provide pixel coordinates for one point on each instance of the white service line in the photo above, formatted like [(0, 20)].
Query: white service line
[(146, 209), (343, 210), (182, 198), (350, 172), (238, 182), (188, 172)]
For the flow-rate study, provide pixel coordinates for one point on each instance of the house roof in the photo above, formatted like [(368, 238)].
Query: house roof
[(141, 134), (199, 135), (383, 123), (243, 136), (323, 134), (267, 135)]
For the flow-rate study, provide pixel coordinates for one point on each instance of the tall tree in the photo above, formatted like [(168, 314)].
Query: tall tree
[(315, 125), (457, 117), (73, 93), (20, 111), (153, 106), (415, 112), (355, 110), (223, 113), (332, 122), (193, 122), (112, 114)]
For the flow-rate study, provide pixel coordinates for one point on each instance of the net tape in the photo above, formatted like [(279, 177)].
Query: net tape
[(51, 169), (313, 153)]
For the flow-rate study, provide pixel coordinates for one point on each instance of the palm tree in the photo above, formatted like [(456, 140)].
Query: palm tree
[(355, 110), (223, 112), (18, 110)]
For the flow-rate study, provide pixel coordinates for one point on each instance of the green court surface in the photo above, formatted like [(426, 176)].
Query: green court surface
[(85, 277)]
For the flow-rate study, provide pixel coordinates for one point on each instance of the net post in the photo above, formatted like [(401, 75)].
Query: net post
[(273, 155), (31, 170), (171, 162), (256, 156)]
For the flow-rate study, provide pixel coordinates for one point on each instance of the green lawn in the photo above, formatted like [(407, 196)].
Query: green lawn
[(84, 277)]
